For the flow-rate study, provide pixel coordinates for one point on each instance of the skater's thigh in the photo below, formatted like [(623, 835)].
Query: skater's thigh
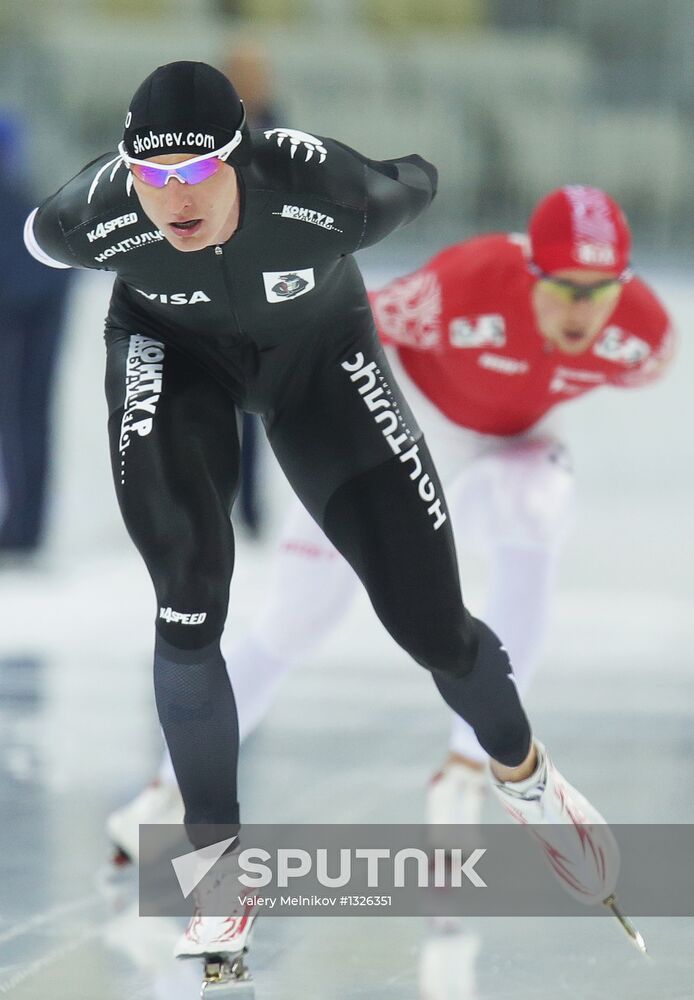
[(175, 459), (173, 435), (348, 418), (520, 493), (381, 504), (311, 586)]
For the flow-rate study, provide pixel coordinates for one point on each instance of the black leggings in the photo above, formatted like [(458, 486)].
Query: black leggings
[(352, 451)]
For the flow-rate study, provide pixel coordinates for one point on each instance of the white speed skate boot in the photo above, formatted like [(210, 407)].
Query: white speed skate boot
[(455, 797), (456, 794), (158, 802), (576, 840), (221, 942)]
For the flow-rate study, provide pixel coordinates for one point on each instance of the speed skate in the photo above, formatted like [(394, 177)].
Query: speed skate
[(575, 839), (221, 942)]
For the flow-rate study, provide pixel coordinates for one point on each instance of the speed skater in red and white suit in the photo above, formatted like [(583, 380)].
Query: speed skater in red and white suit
[(486, 339)]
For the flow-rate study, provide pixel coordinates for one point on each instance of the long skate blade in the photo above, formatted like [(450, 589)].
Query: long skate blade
[(635, 935), (232, 990)]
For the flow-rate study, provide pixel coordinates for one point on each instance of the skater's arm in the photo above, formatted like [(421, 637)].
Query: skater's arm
[(60, 231), (410, 311), (407, 312), (45, 240), (651, 339), (395, 192), (651, 368)]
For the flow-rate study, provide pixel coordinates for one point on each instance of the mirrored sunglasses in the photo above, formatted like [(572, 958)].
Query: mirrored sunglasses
[(192, 171)]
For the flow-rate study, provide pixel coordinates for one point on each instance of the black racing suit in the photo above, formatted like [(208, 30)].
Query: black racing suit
[(274, 321)]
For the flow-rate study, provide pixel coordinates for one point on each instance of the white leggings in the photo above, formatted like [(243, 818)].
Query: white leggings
[(511, 496)]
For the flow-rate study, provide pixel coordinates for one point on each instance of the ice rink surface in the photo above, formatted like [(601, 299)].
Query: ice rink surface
[(354, 734)]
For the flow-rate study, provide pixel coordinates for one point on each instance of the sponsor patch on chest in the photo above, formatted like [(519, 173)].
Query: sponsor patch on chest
[(478, 331), (283, 285), (506, 366), (176, 298), (621, 347), (131, 243), (104, 229), (301, 214), (574, 382)]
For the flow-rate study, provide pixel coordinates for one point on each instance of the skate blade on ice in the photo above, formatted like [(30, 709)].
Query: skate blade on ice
[(632, 932), (226, 978)]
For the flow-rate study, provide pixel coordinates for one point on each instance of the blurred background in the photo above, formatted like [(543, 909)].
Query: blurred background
[(509, 98)]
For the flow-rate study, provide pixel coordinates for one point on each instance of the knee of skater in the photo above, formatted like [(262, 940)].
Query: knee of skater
[(471, 650), (533, 493), (189, 638), (192, 604), (190, 621), (449, 649)]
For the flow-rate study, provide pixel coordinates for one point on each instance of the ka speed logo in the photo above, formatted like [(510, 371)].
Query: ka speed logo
[(283, 285)]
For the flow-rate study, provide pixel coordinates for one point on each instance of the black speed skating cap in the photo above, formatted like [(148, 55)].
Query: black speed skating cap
[(183, 107)]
